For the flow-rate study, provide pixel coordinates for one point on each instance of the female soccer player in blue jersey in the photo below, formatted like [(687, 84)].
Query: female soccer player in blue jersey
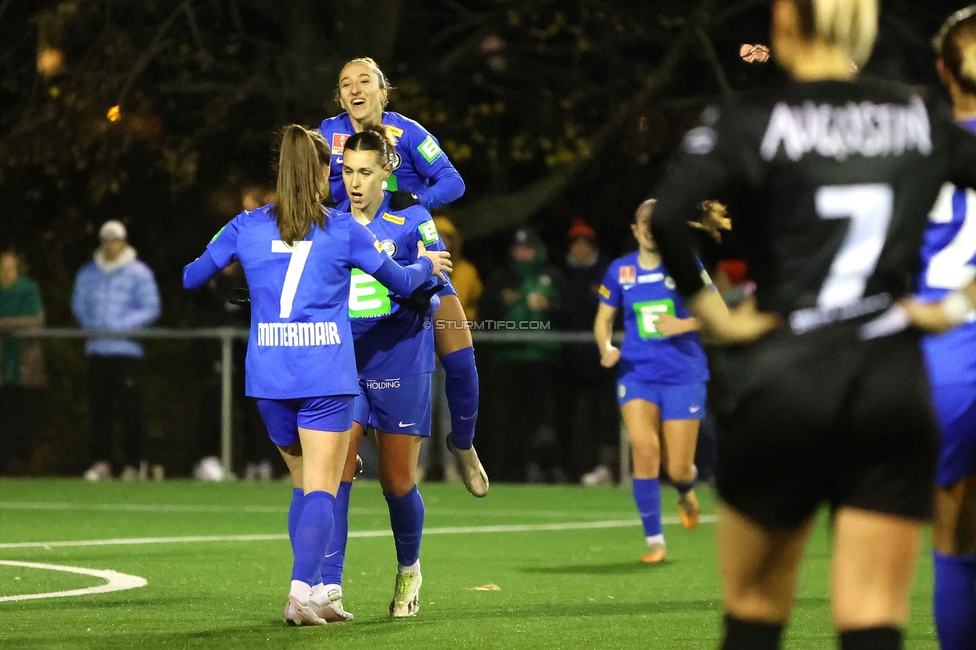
[(419, 169), (420, 166), (395, 354), (949, 257), (297, 257), (663, 370)]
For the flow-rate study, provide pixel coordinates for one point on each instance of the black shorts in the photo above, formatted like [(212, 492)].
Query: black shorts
[(808, 420)]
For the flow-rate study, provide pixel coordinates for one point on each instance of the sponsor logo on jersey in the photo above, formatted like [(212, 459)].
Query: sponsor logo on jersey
[(604, 292), (404, 426), (378, 246), (627, 275), (389, 246), (429, 149), (838, 132), (298, 335), (219, 233), (339, 142), (694, 409), (394, 219), (653, 277), (428, 232), (395, 131), (382, 384)]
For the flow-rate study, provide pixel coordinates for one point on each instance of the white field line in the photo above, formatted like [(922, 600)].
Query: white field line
[(276, 510), (115, 581), (451, 530)]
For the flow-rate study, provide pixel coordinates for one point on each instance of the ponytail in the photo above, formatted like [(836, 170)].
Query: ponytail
[(851, 25), (955, 44), (302, 185)]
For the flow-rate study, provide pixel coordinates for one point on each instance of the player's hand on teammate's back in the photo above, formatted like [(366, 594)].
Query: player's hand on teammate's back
[(609, 356), (402, 199), (441, 259), (926, 316)]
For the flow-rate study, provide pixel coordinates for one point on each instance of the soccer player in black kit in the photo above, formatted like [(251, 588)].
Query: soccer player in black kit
[(822, 395)]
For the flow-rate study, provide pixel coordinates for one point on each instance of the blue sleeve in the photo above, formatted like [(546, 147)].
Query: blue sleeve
[(403, 280), (145, 304), (432, 164), (366, 253), (199, 270), (221, 251), (610, 289), (78, 300), (337, 190)]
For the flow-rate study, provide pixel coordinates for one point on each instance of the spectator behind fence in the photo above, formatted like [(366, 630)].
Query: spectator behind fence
[(115, 291), (588, 410), (528, 296), (22, 375)]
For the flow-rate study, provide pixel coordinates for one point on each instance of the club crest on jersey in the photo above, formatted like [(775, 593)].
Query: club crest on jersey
[(397, 160), (339, 143), (394, 219), (389, 246), (628, 275)]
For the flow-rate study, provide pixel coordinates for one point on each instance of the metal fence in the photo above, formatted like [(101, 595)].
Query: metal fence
[(227, 335)]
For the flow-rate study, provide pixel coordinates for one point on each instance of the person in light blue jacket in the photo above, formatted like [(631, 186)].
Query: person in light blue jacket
[(115, 291)]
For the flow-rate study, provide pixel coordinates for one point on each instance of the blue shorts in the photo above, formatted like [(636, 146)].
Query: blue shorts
[(676, 401), (283, 417), (955, 408), (400, 405)]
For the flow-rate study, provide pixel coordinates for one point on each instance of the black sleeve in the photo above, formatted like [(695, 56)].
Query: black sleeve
[(702, 172)]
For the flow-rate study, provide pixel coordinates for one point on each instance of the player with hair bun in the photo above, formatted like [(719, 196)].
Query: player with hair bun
[(395, 354), (297, 256), (420, 167), (949, 259), (821, 395), (663, 370)]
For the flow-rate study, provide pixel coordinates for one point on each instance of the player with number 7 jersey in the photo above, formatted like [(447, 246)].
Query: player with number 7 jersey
[(297, 256)]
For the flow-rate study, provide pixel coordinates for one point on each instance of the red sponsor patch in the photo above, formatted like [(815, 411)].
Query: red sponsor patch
[(628, 275), (339, 143)]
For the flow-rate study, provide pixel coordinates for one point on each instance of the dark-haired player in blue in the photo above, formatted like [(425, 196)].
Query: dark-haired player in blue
[(420, 166), (297, 257), (395, 355), (663, 370), (949, 257)]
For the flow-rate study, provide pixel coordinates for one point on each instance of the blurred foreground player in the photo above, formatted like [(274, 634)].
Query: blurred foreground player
[(824, 398), (663, 370), (297, 257), (949, 255)]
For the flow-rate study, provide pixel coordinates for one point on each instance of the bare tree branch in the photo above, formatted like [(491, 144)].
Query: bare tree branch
[(723, 80)]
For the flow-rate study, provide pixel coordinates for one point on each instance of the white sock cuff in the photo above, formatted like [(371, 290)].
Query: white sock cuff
[(655, 539), (302, 591), (413, 568)]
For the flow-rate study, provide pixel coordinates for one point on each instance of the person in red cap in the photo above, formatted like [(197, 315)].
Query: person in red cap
[(589, 413)]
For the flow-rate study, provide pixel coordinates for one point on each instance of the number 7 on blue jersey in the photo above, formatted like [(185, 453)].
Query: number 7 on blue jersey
[(296, 265)]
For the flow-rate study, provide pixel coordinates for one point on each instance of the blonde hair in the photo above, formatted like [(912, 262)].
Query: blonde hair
[(302, 184), (851, 25), (956, 46)]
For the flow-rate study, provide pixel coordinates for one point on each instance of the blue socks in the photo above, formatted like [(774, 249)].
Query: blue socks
[(312, 536), (335, 553), (647, 494), (461, 389), (955, 601), (295, 513), (407, 522)]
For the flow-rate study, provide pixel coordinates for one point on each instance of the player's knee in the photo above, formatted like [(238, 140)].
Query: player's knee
[(681, 471), (397, 484)]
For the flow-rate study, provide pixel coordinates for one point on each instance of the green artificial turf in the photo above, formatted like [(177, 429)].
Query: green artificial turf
[(575, 588)]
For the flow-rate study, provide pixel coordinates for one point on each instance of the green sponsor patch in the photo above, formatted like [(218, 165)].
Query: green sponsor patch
[(367, 297), (428, 232), (219, 233), (429, 149), (647, 315)]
